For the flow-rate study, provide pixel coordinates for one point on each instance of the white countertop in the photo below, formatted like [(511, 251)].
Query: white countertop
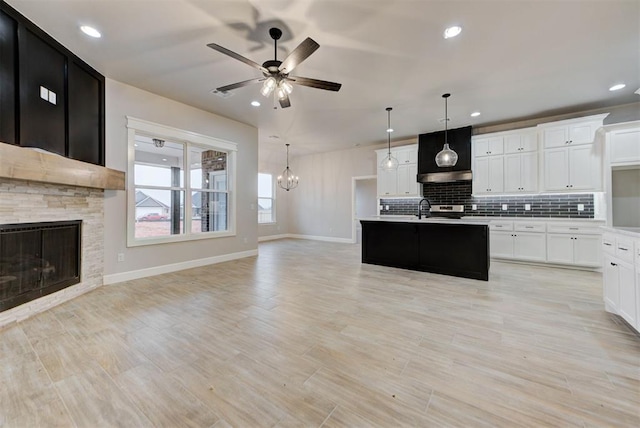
[(633, 232), (438, 220)]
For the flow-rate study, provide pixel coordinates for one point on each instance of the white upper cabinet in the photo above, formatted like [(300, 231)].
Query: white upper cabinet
[(488, 175), (403, 181), (571, 160), (570, 132), (623, 144), (526, 140), (489, 145), (521, 172)]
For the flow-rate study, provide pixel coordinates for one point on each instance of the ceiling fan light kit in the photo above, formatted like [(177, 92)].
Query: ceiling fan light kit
[(276, 74), (446, 157)]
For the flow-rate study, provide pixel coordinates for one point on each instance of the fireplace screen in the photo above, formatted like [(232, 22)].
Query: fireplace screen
[(37, 259)]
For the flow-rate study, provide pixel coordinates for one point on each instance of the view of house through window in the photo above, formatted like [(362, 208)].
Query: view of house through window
[(266, 202), (166, 202)]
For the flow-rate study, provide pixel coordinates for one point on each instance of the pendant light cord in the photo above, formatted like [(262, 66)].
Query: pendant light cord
[(388, 132)]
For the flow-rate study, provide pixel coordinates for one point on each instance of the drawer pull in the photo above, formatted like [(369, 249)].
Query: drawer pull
[(607, 244), (574, 228), (623, 249), (528, 227), (613, 264)]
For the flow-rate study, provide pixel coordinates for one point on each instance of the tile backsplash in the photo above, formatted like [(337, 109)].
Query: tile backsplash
[(459, 193)]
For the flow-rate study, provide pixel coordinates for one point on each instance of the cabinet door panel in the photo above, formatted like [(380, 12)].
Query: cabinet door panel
[(42, 122), (530, 246), (529, 171), (481, 147), (496, 174), (582, 133), (8, 81), (587, 250), (581, 167), (512, 173), (627, 289), (559, 248), (481, 175), (496, 146), (501, 244), (529, 141), (556, 136), (387, 182), (85, 116), (610, 282), (556, 169), (625, 146)]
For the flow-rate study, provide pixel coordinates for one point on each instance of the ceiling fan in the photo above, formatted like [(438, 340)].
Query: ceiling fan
[(276, 74)]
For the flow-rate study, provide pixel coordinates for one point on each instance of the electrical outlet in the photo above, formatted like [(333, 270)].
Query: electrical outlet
[(120, 257), (381, 208), (386, 207), (505, 207), (474, 207), (580, 207), (527, 207)]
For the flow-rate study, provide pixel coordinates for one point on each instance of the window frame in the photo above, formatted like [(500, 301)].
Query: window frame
[(273, 200), (189, 139)]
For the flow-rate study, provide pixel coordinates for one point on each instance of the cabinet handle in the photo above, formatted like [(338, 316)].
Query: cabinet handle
[(613, 264), (528, 227), (623, 249), (607, 244), (574, 228)]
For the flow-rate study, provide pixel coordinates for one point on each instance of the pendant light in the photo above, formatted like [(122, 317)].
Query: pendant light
[(287, 180), (446, 157), (389, 163)]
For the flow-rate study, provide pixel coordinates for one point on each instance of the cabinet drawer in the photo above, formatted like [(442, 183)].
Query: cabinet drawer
[(530, 227), (584, 229), (501, 225), (609, 243), (624, 248)]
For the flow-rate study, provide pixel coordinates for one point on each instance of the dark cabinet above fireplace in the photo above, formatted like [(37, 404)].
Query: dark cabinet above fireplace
[(49, 98)]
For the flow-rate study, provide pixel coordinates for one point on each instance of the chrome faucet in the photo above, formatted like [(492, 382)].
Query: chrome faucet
[(420, 207)]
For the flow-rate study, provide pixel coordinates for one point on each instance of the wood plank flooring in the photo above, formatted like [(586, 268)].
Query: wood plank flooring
[(304, 335)]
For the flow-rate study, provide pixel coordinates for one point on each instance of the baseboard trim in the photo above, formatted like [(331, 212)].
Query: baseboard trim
[(322, 238), (273, 237), (547, 264), (174, 267)]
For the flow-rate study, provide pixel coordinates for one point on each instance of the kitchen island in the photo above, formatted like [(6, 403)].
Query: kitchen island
[(457, 247)]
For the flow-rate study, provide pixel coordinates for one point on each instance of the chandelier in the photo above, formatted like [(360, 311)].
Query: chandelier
[(287, 180)]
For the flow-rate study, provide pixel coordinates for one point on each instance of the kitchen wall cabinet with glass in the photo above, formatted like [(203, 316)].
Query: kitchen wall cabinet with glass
[(403, 181)]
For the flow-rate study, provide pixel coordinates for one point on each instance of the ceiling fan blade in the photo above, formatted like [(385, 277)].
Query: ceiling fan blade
[(285, 102), (315, 83), (299, 54), (239, 84), (232, 54)]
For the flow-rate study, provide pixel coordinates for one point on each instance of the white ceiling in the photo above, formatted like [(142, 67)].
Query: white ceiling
[(514, 59)]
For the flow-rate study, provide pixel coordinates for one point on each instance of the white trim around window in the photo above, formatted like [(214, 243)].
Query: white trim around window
[(189, 139)]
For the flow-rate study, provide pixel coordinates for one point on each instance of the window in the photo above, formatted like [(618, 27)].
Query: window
[(167, 205), (266, 199)]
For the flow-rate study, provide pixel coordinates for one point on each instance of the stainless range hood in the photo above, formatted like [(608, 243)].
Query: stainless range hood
[(430, 144)]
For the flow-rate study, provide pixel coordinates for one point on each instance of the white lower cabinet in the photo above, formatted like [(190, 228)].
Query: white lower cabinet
[(620, 278), (566, 243)]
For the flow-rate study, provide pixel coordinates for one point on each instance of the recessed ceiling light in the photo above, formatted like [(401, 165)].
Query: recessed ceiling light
[(90, 31), (475, 114), (452, 32), (617, 87), (255, 103), (164, 159)]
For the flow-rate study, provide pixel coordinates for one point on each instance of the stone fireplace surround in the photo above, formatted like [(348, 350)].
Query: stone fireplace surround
[(24, 201)]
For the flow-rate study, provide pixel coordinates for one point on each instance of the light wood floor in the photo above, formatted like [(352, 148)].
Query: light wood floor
[(305, 335)]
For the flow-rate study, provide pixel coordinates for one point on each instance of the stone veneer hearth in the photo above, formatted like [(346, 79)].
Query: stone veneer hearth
[(30, 202)]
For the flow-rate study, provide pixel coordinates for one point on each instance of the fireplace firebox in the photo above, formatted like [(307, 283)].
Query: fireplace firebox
[(37, 259)]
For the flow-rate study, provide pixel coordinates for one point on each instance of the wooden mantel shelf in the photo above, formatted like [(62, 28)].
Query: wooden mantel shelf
[(22, 163)]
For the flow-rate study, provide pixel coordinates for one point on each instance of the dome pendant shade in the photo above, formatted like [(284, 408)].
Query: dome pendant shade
[(389, 163), (446, 157), (287, 180)]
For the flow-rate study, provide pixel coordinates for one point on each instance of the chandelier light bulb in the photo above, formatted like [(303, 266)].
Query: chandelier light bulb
[(268, 86)]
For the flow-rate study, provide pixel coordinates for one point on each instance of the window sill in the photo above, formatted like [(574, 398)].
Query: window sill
[(139, 242)]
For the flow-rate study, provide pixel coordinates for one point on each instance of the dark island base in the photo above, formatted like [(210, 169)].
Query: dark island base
[(449, 249)]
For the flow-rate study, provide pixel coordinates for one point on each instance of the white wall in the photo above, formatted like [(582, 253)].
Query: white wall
[(124, 100), (282, 197), (321, 205)]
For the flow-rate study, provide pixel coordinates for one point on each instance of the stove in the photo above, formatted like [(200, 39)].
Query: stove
[(448, 211)]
